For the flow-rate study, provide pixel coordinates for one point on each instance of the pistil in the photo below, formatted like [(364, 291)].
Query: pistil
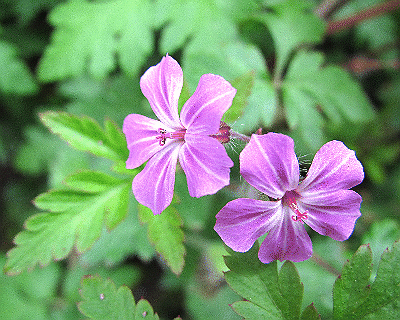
[(289, 199)]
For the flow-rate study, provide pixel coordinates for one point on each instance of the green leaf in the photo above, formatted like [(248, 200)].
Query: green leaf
[(27, 295), (202, 21), (102, 300), (351, 288), (269, 294), (311, 93), (291, 24), (15, 75), (243, 85), (165, 232), (232, 61), (310, 313), (303, 117), (381, 300), (76, 218), (118, 95), (34, 155), (125, 274), (27, 10), (84, 134), (339, 96), (89, 35), (113, 246)]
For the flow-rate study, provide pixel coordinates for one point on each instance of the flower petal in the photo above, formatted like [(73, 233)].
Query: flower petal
[(205, 163), (162, 85), (332, 214), (141, 133), (153, 187), (203, 111), (335, 167), (242, 221), (288, 240), (269, 164)]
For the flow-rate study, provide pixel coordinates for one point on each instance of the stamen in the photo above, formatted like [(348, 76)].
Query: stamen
[(180, 134), (299, 215), (290, 200), (163, 136)]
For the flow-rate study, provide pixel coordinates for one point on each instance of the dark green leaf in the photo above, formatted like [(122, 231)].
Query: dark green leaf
[(354, 298), (310, 313), (15, 76), (269, 294), (351, 288), (102, 300)]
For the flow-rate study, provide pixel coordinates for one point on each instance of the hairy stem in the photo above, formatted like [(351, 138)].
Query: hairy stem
[(328, 7), (369, 13), (318, 260), (239, 136)]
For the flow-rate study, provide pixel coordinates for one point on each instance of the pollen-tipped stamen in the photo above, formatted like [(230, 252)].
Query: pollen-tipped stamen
[(164, 135)]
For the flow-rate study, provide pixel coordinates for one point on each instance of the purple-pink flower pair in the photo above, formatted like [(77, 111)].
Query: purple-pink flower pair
[(322, 200), (191, 138)]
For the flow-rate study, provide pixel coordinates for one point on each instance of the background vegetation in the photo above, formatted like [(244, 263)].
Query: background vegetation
[(303, 68)]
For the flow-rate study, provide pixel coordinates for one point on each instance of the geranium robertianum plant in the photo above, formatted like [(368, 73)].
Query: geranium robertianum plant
[(284, 77), (322, 200)]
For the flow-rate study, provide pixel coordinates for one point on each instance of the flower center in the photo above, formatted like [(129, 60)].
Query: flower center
[(289, 199), (223, 134), (164, 135)]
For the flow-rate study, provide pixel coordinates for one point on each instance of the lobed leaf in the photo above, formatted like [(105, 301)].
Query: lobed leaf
[(165, 232), (352, 287), (76, 218), (339, 96), (201, 20), (255, 102), (84, 134), (102, 300), (89, 35), (270, 294), (355, 298), (291, 23), (311, 93), (310, 313)]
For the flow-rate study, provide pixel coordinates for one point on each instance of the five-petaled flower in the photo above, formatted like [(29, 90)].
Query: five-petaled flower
[(322, 200), (193, 137)]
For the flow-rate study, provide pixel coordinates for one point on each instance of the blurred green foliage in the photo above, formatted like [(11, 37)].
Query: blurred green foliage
[(77, 63)]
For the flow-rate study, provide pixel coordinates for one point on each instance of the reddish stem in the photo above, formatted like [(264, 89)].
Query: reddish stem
[(369, 13), (318, 260)]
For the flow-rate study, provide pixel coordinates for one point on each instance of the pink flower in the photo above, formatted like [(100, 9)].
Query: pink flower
[(192, 137), (322, 200)]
